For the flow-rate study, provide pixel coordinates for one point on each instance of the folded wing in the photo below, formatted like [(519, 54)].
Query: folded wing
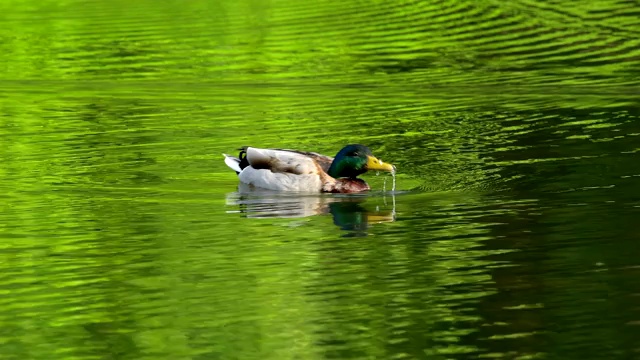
[(281, 161)]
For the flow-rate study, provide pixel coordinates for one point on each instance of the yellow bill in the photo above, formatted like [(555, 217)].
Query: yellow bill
[(374, 163)]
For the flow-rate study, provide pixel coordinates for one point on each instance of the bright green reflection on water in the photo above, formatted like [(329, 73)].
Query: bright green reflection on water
[(514, 127)]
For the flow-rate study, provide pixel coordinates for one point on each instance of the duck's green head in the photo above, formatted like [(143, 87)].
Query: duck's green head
[(354, 160)]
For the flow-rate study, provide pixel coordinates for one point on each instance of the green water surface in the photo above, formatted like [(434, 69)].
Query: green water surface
[(513, 232)]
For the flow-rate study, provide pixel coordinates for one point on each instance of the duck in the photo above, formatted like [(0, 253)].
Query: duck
[(302, 171)]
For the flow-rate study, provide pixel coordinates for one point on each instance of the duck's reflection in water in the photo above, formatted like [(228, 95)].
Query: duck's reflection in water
[(352, 212)]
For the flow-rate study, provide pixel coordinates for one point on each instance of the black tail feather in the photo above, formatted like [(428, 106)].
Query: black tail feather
[(243, 157)]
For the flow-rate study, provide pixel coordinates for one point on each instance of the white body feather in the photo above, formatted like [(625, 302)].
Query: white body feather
[(278, 170), (268, 179)]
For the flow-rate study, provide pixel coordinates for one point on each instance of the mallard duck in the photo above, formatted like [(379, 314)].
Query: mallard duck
[(291, 170)]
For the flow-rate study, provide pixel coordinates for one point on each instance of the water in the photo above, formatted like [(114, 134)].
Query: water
[(511, 234)]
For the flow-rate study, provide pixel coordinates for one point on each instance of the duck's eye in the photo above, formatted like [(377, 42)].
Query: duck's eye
[(356, 154)]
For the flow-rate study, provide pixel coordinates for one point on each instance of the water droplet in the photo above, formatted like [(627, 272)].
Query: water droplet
[(393, 174)]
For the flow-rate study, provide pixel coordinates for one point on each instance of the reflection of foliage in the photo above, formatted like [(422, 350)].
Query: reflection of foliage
[(422, 43), (77, 235)]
